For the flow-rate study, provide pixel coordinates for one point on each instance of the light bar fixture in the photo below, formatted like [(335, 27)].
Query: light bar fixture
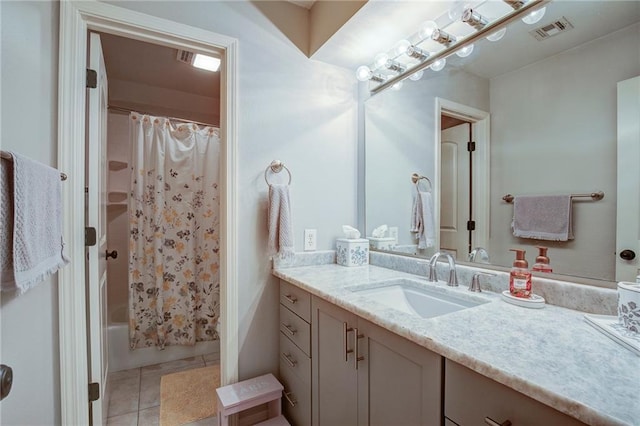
[(390, 68)]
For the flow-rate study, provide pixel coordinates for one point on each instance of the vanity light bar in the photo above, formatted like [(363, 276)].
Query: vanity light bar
[(472, 38)]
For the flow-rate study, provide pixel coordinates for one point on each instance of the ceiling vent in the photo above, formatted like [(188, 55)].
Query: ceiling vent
[(560, 26), (185, 56)]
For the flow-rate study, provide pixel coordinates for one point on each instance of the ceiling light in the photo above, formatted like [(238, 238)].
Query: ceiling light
[(427, 29), (380, 60), (364, 73), (205, 62), (401, 47)]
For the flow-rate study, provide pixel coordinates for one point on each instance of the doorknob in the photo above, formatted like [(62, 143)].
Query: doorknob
[(113, 254), (6, 380), (627, 254)]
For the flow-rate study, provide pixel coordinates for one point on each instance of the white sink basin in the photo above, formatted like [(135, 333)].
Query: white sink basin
[(406, 296)]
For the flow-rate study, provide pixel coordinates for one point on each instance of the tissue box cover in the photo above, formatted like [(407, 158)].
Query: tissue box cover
[(352, 252), (382, 243)]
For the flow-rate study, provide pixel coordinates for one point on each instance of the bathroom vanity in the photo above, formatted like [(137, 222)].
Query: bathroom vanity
[(350, 359)]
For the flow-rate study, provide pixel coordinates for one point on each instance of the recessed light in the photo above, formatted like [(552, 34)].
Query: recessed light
[(205, 62)]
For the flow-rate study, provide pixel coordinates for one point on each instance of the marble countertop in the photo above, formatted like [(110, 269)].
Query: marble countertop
[(552, 354)]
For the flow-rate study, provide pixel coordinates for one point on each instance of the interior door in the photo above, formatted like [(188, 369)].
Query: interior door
[(628, 208), (454, 191), (96, 208)]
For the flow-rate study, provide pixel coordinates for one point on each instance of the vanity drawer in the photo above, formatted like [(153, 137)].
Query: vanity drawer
[(490, 399), (296, 398), (295, 329), (296, 299), (294, 360)]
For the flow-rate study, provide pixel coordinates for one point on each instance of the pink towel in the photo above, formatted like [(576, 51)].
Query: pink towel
[(545, 217)]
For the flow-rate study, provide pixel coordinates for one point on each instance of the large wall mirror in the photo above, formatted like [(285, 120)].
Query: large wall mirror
[(541, 105)]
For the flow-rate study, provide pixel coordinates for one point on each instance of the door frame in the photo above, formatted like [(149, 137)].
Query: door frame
[(481, 176), (76, 19)]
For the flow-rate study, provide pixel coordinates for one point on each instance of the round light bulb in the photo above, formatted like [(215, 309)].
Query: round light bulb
[(465, 51), (416, 75), (363, 73), (380, 60), (456, 9), (397, 86), (534, 16), (426, 29), (497, 35), (439, 64), (401, 47)]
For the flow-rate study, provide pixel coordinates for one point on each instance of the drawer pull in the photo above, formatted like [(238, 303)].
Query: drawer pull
[(346, 329), (357, 336), (290, 299), (491, 422), (292, 331), (287, 357), (287, 396)]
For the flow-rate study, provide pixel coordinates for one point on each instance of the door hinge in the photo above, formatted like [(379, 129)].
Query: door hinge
[(471, 225), (92, 79), (94, 392), (471, 146), (90, 238)]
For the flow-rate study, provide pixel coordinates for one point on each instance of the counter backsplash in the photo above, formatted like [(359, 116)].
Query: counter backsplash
[(570, 295)]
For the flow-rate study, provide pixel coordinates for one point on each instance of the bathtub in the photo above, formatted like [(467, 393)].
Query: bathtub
[(123, 358)]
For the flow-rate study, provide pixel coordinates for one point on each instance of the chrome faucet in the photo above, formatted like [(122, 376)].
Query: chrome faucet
[(433, 276), (475, 281), (479, 255)]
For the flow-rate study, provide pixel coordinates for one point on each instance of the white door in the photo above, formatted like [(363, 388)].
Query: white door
[(96, 217), (454, 191), (628, 224)]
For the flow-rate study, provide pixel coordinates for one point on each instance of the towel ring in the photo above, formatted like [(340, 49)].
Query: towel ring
[(276, 166), (416, 178)]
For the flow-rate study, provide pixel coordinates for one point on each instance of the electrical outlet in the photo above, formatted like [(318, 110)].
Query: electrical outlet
[(393, 233), (310, 238)]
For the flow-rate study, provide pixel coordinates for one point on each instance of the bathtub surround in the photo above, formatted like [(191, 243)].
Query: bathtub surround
[(174, 218)]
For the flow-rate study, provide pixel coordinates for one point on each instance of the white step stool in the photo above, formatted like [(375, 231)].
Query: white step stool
[(248, 394)]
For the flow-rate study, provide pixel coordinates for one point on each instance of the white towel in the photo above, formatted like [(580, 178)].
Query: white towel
[(545, 217), (280, 224), (35, 216), (422, 219)]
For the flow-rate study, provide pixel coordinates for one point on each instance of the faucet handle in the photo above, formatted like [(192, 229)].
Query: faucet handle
[(475, 281)]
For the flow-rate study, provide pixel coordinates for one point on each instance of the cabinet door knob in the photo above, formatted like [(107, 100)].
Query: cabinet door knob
[(491, 422), (627, 254)]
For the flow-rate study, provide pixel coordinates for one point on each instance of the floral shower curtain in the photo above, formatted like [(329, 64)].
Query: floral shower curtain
[(174, 286)]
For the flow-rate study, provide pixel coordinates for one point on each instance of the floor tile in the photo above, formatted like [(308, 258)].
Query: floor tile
[(125, 374), (130, 419), (124, 395), (209, 421), (149, 417), (150, 391), (172, 366), (212, 359)]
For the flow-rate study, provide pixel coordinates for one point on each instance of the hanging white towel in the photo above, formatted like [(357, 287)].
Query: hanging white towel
[(545, 217), (422, 219), (35, 216), (280, 223)]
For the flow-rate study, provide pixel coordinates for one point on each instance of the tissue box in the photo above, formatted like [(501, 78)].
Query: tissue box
[(383, 243), (352, 252)]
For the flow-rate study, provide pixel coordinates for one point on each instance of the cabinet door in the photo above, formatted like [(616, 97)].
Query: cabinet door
[(399, 382), (470, 398), (333, 374)]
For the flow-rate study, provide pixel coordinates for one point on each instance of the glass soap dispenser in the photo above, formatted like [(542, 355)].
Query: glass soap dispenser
[(520, 276), (542, 261)]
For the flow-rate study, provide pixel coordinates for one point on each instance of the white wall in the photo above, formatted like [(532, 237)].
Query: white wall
[(400, 137), (293, 109), (29, 323), (553, 131)]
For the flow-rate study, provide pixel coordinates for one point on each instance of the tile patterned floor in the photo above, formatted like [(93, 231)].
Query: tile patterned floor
[(135, 393)]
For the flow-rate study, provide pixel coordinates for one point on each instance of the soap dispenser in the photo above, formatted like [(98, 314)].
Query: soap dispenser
[(542, 261), (520, 276)]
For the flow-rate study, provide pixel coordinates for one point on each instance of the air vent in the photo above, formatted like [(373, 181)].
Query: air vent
[(185, 56), (560, 26)]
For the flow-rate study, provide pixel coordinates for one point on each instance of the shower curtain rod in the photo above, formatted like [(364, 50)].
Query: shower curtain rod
[(183, 120)]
